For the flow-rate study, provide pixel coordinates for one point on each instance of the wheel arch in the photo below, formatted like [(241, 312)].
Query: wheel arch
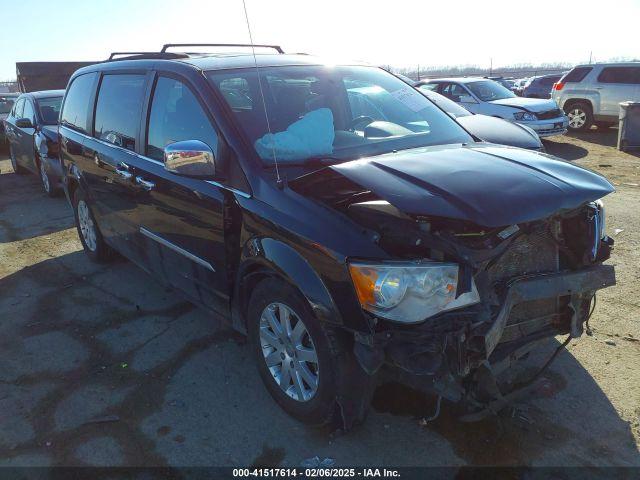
[(569, 103), (271, 258)]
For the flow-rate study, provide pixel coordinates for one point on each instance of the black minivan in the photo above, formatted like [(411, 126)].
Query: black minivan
[(338, 217)]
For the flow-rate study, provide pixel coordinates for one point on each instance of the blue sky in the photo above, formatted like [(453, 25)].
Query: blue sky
[(399, 33)]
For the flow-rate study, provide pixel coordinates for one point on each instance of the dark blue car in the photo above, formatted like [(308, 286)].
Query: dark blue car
[(32, 133), (540, 87)]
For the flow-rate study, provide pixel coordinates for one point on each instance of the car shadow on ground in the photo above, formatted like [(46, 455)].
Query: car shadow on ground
[(566, 151), (606, 138), (102, 366), (26, 211)]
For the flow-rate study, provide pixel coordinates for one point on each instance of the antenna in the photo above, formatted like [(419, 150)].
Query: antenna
[(264, 103)]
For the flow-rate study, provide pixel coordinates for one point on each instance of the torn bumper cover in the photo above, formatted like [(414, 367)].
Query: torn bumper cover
[(449, 348)]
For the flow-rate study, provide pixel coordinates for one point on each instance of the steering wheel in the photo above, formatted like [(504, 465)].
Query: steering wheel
[(361, 120)]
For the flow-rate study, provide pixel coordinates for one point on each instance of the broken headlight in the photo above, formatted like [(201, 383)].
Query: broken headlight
[(525, 116), (408, 292)]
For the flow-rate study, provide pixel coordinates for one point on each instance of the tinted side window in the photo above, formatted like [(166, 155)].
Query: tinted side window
[(176, 115), (75, 113), (118, 109), (28, 111), (454, 91), (577, 74), (620, 75), (549, 80)]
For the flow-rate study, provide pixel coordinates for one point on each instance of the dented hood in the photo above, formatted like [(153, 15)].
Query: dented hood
[(486, 184)]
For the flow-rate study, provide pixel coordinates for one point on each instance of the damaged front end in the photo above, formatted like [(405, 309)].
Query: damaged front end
[(532, 279)]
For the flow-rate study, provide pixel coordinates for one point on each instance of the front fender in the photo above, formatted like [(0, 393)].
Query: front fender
[(262, 257)]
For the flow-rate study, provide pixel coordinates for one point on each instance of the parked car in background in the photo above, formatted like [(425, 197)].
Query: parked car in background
[(540, 87), (32, 132), (336, 216), (6, 104), (518, 85), (591, 94), (479, 95), (505, 82), (489, 129)]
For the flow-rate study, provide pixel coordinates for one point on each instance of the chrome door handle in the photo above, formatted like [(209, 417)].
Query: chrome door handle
[(124, 174), (146, 184)]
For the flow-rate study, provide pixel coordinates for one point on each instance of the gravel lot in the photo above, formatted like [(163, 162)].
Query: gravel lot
[(99, 365)]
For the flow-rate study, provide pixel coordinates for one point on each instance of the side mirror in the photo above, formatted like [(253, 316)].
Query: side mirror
[(190, 158), (467, 99), (24, 123)]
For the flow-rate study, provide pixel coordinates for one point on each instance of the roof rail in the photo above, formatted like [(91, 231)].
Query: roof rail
[(277, 48), (145, 55)]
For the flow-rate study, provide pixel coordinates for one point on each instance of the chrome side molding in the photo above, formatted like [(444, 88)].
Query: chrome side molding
[(177, 249)]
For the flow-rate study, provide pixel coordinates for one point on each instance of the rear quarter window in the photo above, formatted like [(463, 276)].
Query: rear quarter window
[(576, 75), (629, 75), (77, 105)]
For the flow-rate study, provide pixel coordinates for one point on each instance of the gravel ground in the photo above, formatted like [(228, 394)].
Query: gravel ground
[(99, 365)]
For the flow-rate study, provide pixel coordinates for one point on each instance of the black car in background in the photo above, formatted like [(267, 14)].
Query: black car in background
[(489, 129), (335, 215), (32, 132), (540, 87), (6, 105)]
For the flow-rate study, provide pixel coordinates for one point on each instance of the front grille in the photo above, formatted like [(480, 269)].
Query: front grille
[(531, 253), (549, 114)]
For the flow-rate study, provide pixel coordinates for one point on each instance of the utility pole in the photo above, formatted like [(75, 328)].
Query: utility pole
[(490, 66), (590, 56)]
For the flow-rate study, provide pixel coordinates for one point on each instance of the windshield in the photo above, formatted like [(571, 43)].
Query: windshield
[(50, 109), (449, 106), (488, 90), (6, 104), (332, 113)]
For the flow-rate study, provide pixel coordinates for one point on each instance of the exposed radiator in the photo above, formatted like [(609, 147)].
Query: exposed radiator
[(531, 253)]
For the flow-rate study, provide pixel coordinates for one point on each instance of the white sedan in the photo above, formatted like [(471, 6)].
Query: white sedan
[(486, 97)]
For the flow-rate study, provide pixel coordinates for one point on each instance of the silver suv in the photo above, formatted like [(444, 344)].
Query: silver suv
[(590, 94)]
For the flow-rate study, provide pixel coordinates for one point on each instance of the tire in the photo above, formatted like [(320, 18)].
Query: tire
[(580, 117), (90, 237), (14, 163), (334, 362), (47, 183)]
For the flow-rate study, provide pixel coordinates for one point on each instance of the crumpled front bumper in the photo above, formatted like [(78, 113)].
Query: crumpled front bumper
[(569, 284), (550, 127), (455, 345)]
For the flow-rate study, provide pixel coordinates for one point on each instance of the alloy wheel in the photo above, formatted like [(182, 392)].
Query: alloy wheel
[(87, 227), (289, 352), (577, 118)]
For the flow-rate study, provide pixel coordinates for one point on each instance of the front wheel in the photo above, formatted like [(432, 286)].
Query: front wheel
[(88, 231), (300, 360), (580, 117)]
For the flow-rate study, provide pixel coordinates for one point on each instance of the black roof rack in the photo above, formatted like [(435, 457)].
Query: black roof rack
[(277, 48), (145, 55)]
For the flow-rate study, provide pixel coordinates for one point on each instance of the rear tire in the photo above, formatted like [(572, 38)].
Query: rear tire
[(14, 163), (330, 348), (580, 117), (92, 241)]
